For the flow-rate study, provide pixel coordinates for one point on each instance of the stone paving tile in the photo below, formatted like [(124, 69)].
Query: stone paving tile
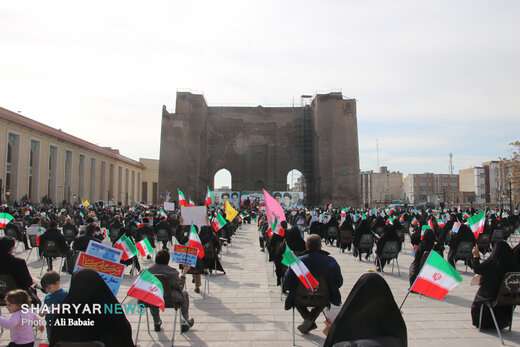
[(244, 308)]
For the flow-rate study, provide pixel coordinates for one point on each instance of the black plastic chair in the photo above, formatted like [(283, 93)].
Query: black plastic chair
[(307, 298), (463, 252), (33, 243), (345, 237), (366, 244), (484, 243), (508, 295), (168, 303), (390, 251), (50, 251), (163, 236), (10, 232), (7, 283), (69, 235)]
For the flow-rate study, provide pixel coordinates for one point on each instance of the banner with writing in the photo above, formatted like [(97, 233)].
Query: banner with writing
[(184, 255), (111, 272)]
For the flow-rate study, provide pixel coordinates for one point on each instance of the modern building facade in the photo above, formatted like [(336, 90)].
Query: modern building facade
[(38, 162), (431, 188), (381, 188), (473, 180)]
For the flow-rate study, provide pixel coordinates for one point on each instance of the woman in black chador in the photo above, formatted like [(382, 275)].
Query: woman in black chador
[(423, 250), (492, 272), (211, 245), (369, 317), (88, 288)]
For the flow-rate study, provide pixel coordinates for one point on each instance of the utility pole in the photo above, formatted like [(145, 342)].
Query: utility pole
[(510, 195)]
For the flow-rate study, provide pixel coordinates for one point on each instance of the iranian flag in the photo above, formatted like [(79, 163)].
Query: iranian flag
[(149, 289), (182, 198), (424, 229), (210, 198), (127, 246), (476, 223), (436, 278), (191, 203), (276, 228), (144, 247), (5, 218), (218, 222), (300, 270), (194, 241)]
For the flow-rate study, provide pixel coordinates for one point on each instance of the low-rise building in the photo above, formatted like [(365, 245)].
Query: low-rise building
[(473, 180), (430, 188), (381, 188), (40, 163)]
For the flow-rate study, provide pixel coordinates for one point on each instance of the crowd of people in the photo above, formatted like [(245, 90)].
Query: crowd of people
[(376, 231), (68, 231), (364, 233)]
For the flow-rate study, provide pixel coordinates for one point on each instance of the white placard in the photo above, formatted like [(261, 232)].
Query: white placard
[(197, 215), (169, 206)]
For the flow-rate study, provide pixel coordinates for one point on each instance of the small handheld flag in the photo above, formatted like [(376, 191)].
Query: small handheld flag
[(300, 270), (436, 278), (144, 247), (194, 241), (149, 289)]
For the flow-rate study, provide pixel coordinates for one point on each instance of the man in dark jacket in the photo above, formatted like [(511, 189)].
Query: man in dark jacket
[(179, 295), (324, 268), (53, 234)]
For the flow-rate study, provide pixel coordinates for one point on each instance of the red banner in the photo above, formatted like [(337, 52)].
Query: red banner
[(100, 265)]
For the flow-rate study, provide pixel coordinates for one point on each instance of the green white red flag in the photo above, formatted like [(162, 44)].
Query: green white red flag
[(210, 198), (300, 270), (144, 247), (477, 223), (148, 288), (182, 198), (5, 218), (436, 278), (194, 241), (218, 222), (127, 246)]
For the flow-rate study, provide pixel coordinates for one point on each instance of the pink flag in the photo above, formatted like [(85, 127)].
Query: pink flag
[(273, 209)]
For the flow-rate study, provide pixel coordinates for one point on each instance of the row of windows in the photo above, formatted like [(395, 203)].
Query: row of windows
[(11, 175)]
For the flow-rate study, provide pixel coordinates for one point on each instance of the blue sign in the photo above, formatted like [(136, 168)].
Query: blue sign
[(103, 251)]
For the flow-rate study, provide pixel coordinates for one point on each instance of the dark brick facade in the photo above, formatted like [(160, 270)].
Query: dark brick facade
[(260, 145)]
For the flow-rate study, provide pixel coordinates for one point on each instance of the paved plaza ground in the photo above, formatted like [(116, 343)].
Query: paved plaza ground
[(244, 308)]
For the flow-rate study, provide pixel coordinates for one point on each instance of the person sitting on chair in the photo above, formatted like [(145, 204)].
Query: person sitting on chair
[(180, 296), (11, 265), (323, 267), (463, 234), (492, 271), (53, 234), (389, 235)]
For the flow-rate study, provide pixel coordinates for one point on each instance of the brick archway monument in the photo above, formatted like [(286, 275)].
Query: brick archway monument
[(260, 145)]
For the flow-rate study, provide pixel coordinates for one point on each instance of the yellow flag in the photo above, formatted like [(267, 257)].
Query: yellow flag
[(231, 213), (86, 203)]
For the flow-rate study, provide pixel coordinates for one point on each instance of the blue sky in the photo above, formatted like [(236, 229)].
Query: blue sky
[(430, 77)]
